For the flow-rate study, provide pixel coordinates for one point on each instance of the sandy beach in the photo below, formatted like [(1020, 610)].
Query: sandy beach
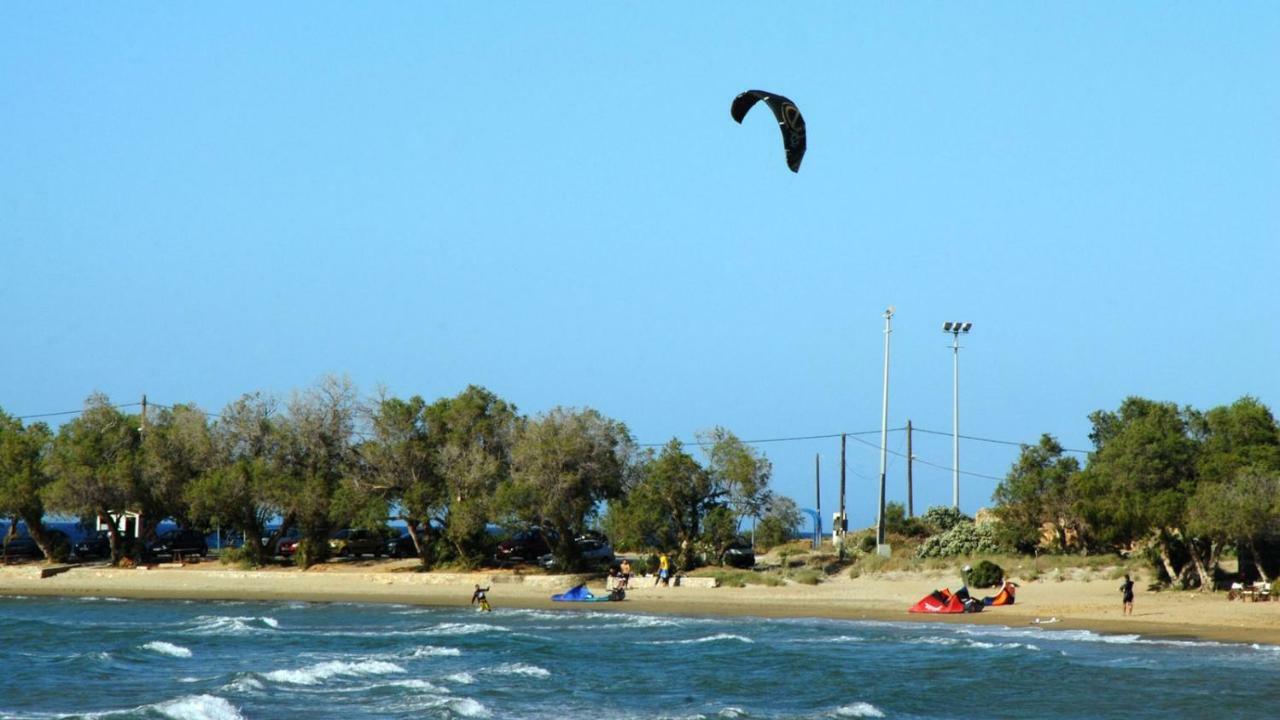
[(1089, 603)]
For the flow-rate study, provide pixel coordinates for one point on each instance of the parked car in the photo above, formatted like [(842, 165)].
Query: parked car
[(353, 542), (400, 546), (288, 543), (97, 545), (24, 546), (595, 550), (739, 554), (525, 546), (176, 543)]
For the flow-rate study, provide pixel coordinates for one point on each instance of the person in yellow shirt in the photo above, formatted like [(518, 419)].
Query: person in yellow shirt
[(664, 570)]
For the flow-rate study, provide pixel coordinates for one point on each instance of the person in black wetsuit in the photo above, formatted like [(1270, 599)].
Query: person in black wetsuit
[(1127, 589)]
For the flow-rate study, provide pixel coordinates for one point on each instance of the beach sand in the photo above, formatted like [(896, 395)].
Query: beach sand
[(1083, 603)]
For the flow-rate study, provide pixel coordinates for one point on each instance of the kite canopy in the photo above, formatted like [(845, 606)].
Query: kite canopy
[(945, 602), (790, 121)]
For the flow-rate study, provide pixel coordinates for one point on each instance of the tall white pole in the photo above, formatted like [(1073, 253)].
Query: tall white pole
[(884, 425), (955, 420)]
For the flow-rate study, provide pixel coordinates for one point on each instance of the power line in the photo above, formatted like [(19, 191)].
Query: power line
[(71, 412), (992, 440), (766, 440)]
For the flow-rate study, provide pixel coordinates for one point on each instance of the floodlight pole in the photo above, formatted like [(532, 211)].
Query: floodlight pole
[(955, 328), (884, 426)]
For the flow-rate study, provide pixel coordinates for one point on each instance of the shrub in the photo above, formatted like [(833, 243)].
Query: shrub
[(985, 574), (942, 518), (867, 543), (965, 538), (807, 577), (240, 557)]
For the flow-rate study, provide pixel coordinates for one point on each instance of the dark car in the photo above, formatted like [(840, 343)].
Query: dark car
[(353, 542), (525, 546), (595, 550), (176, 543), (400, 546), (97, 545), (24, 546), (287, 544), (739, 554)]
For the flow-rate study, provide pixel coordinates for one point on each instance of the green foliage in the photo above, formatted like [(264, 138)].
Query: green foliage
[(867, 543), (780, 521), (807, 577), (964, 538), (563, 464), (941, 518), (985, 574), (1036, 491)]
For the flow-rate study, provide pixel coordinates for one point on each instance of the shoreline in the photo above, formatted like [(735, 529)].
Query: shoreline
[(1067, 605)]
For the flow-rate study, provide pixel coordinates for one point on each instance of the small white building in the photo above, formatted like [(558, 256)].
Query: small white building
[(128, 523)]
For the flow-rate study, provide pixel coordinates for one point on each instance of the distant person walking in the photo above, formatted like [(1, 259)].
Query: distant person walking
[(479, 597), (1127, 588), (626, 572), (664, 570)]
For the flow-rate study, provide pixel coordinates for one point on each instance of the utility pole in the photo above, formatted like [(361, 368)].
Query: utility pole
[(911, 509), (817, 495), (842, 523), (884, 433), (955, 328), (143, 427)]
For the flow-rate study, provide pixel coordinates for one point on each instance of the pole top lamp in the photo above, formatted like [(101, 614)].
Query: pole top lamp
[(956, 328)]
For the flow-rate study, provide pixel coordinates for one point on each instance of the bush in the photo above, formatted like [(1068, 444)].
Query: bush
[(985, 574), (942, 518), (807, 577), (867, 543), (964, 538)]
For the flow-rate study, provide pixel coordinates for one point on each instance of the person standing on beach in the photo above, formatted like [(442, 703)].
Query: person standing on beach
[(625, 569), (1127, 588), (664, 570), (479, 597)]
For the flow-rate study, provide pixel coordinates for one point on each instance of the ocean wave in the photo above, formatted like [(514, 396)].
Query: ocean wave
[(453, 628), (199, 707), (708, 638), (316, 674), (246, 684), (434, 651), (167, 648), (462, 678), (859, 709), (833, 639), (467, 707), (520, 669), (232, 625), (732, 712)]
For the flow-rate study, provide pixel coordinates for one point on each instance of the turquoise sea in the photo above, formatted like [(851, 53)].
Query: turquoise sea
[(107, 658)]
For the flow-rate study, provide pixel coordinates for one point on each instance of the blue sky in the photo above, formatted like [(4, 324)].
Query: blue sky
[(551, 200)]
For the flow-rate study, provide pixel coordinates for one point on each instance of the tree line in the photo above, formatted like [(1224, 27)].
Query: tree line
[(1182, 485), (326, 458)]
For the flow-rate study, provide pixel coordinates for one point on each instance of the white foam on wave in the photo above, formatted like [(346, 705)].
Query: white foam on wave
[(316, 674), (452, 628), (732, 712), (709, 638), (520, 669), (167, 648), (462, 678), (246, 684), (199, 707), (467, 707), (95, 598), (859, 709), (832, 639), (416, 684), (232, 625), (434, 651)]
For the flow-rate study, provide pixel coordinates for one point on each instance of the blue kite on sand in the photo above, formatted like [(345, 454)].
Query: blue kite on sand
[(580, 593)]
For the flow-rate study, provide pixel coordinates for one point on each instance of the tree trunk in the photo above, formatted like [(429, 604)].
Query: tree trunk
[(1166, 560), (36, 530), (1257, 561), (1203, 565)]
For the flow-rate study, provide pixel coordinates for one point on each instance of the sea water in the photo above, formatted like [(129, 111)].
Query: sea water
[(108, 658)]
